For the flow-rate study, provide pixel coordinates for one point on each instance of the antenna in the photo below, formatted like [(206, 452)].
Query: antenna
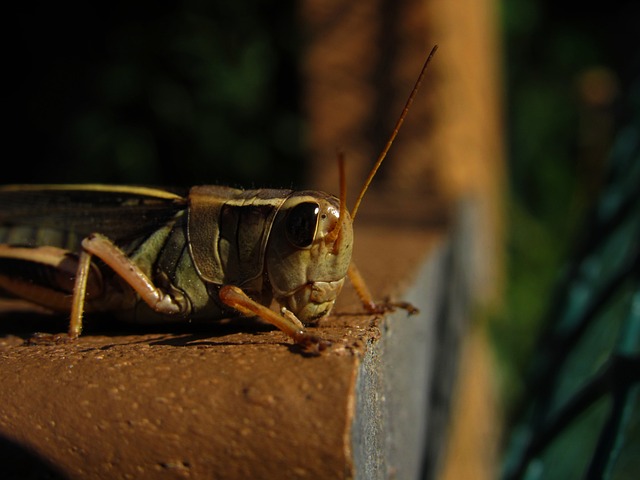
[(393, 136), (335, 233)]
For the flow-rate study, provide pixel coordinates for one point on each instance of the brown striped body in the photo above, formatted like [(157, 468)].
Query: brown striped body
[(192, 245)]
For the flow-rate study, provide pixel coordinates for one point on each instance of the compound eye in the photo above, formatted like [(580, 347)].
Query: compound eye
[(301, 224)]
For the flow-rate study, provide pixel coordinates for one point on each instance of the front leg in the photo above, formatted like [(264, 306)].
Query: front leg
[(235, 298)]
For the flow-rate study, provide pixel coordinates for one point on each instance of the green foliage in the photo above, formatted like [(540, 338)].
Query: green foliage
[(556, 152), (575, 390)]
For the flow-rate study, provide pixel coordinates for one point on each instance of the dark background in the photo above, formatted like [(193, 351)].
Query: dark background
[(175, 93)]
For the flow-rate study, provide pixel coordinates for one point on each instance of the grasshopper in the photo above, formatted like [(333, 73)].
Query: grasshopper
[(152, 255)]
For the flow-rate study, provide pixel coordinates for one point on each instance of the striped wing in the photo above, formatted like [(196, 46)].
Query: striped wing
[(119, 212)]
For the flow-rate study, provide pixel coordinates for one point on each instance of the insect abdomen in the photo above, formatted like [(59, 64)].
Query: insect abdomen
[(33, 236)]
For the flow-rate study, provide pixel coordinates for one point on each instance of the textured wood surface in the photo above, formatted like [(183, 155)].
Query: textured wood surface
[(229, 401)]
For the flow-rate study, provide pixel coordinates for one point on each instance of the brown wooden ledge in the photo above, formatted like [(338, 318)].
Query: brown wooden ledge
[(237, 400)]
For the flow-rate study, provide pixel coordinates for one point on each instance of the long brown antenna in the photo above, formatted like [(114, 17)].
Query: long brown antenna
[(384, 152), (333, 234)]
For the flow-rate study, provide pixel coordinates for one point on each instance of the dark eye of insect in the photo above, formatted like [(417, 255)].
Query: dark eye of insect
[(301, 224)]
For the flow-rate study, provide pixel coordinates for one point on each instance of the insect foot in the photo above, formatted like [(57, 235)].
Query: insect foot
[(388, 306), (40, 338), (311, 344)]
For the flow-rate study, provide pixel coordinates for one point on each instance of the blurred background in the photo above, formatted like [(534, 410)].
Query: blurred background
[(182, 93), (175, 93), (569, 70)]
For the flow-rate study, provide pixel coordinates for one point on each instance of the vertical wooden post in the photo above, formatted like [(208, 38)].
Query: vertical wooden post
[(448, 161), (361, 61)]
